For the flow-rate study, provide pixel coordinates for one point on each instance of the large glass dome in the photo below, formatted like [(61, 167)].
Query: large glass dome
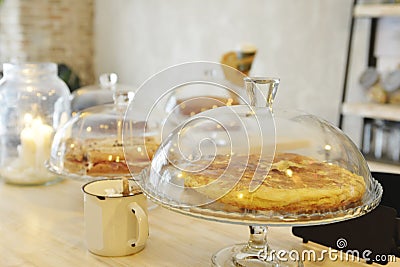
[(253, 165), (250, 164)]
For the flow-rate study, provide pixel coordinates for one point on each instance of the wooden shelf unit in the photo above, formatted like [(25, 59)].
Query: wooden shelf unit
[(368, 111), (376, 10), (375, 166), (372, 110)]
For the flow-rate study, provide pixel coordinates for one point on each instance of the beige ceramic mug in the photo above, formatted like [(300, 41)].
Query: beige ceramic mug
[(115, 224)]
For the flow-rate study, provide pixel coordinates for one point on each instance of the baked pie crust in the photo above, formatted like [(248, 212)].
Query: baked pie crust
[(98, 157), (294, 184)]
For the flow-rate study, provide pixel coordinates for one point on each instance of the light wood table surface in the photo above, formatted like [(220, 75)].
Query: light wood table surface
[(43, 226)]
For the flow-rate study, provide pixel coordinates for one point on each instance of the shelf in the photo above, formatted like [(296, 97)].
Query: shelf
[(377, 10), (372, 110), (383, 167)]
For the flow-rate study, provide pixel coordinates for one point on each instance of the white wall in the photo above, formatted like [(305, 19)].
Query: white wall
[(303, 42)]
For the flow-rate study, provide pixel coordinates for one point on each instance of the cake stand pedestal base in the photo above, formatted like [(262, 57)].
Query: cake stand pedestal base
[(255, 253)]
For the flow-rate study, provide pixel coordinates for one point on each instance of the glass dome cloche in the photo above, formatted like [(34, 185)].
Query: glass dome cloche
[(259, 166), (181, 91), (89, 145), (98, 94)]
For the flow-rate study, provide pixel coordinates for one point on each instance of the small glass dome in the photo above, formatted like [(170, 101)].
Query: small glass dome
[(90, 144), (254, 165), (99, 94), (181, 91)]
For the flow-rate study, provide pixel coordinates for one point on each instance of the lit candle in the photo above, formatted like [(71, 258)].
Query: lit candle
[(36, 140)]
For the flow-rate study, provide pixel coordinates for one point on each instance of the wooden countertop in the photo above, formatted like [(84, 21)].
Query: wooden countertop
[(43, 226)]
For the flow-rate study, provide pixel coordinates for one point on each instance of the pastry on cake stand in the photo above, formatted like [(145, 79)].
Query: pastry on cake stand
[(260, 167), (89, 145)]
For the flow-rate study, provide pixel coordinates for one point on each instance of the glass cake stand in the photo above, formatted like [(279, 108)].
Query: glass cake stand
[(89, 146), (162, 182), (214, 165), (257, 252)]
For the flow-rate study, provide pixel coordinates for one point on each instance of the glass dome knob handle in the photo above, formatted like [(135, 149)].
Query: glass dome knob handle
[(261, 91), (108, 80)]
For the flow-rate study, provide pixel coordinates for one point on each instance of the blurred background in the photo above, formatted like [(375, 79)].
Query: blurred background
[(303, 42)]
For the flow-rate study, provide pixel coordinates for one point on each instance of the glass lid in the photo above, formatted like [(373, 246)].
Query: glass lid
[(179, 92), (89, 145), (251, 164), (99, 94)]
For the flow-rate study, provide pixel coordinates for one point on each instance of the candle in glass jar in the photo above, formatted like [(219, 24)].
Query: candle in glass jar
[(36, 140)]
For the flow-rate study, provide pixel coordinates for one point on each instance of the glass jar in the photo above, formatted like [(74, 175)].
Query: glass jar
[(34, 102)]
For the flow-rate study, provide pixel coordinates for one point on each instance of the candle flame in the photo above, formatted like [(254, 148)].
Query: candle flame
[(28, 118), (37, 122)]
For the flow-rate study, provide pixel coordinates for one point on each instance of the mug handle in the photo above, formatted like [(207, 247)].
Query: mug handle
[(143, 225)]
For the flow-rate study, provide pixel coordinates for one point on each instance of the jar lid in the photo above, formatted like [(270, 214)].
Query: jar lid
[(369, 77)]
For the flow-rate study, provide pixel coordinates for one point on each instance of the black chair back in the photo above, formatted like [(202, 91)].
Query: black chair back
[(374, 236)]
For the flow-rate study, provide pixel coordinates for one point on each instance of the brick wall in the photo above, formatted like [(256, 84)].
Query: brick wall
[(60, 31)]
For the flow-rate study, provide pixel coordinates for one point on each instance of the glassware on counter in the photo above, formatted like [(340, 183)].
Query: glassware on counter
[(181, 91), (89, 146), (259, 166), (192, 98), (94, 95), (34, 103)]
